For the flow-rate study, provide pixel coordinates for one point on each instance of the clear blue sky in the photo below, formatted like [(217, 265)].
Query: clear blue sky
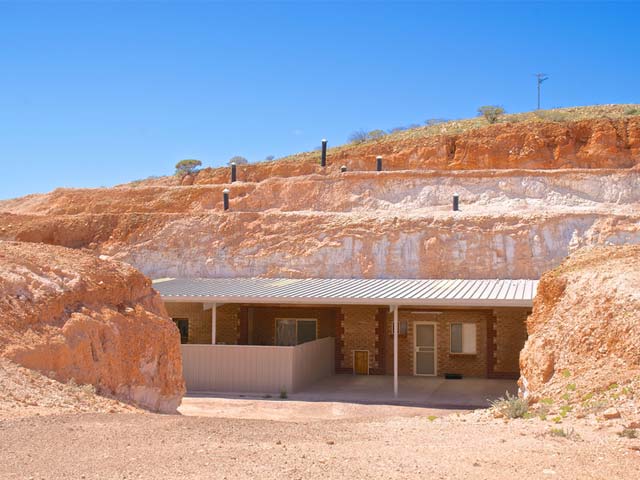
[(102, 93)]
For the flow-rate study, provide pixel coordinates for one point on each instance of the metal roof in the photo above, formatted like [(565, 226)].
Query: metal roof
[(316, 291)]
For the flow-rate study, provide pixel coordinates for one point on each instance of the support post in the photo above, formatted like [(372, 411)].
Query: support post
[(214, 323), (323, 159), (395, 350)]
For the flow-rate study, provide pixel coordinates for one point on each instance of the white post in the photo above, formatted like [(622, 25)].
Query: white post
[(214, 321), (395, 351)]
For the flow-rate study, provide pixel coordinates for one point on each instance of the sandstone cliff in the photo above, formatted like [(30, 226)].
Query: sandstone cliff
[(584, 333), (77, 318), (531, 192)]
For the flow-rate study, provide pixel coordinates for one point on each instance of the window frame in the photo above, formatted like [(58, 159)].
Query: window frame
[(462, 342), (296, 319)]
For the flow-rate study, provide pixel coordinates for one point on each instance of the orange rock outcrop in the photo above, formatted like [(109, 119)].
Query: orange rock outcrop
[(78, 318), (584, 333)]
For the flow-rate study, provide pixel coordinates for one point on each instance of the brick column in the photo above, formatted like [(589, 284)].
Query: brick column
[(381, 340), (491, 345), (339, 345)]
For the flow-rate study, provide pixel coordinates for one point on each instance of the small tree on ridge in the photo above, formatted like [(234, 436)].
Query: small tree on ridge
[(491, 112), (187, 167)]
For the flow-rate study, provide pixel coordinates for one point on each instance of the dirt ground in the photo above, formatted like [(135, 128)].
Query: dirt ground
[(332, 441)]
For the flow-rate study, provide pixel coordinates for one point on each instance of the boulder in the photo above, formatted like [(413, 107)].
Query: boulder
[(75, 317)]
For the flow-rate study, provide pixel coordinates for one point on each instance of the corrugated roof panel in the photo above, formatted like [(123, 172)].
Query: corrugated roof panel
[(489, 292)]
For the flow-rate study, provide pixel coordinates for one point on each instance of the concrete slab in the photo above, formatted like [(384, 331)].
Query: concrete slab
[(432, 392), (424, 392)]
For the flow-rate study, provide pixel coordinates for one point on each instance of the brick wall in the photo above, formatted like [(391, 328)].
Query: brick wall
[(510, 333), (262, 321), (200, 321), (359, 333), (467, 365), (370, 328)]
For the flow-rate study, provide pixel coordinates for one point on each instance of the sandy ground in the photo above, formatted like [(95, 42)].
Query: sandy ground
[(344, 441)]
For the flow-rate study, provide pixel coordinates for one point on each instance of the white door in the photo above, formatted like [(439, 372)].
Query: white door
[(425, 360)]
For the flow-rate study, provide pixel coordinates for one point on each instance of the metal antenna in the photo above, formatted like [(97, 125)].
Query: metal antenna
[(541, 77)]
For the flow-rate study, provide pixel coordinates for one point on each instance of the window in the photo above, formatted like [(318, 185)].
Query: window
[(463, 338), (294, 331), (183, 327)]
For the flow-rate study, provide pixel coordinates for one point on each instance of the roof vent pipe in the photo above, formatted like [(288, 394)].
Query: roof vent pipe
[(456, 202), (233, 172), (323, 158), (343, 168), (225, 198), (379, 164)]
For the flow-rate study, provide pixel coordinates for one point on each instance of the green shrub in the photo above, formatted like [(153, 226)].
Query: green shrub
[(629, 433), (569, 433), (376, 134), (491, 112), (283, 393), (551, 116), (430, 122), (359, 136), (187, 167), (511, 406), (632, 111), (238, 160)]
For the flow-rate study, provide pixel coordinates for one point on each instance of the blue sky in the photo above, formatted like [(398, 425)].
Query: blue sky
[(101, 93)]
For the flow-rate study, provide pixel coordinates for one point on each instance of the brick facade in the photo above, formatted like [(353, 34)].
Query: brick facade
[(262, 321), (200, 321), (468, 365), (359, 333), (500, 334), (510, 329)]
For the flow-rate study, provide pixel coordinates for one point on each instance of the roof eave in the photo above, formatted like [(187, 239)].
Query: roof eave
[(409, 302)]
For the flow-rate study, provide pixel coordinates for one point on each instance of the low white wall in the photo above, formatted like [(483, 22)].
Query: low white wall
[(313, 361), (256, 369)]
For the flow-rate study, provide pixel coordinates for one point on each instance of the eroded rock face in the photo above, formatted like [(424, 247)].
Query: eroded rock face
[(71, 315), (538, 192), (584, 333)]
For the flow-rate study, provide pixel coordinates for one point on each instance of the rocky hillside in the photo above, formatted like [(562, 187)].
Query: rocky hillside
[(76, 318), (584, 333), (533, 188)]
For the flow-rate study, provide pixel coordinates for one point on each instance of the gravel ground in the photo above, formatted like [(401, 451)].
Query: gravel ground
[(149, 446)]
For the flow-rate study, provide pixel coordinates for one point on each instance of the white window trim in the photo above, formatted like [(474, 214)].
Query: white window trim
[(474, 344)]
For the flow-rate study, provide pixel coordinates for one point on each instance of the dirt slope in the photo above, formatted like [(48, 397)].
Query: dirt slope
[(25, 393), (74, 317), (584, 333)]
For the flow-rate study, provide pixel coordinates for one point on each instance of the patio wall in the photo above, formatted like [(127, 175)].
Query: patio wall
[(256, 369)]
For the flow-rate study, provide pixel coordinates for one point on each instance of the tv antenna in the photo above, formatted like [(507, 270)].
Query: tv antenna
[(541, 77)]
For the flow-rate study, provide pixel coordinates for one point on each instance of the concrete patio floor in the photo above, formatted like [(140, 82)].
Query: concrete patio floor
[(429, 392), (433, 392)]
